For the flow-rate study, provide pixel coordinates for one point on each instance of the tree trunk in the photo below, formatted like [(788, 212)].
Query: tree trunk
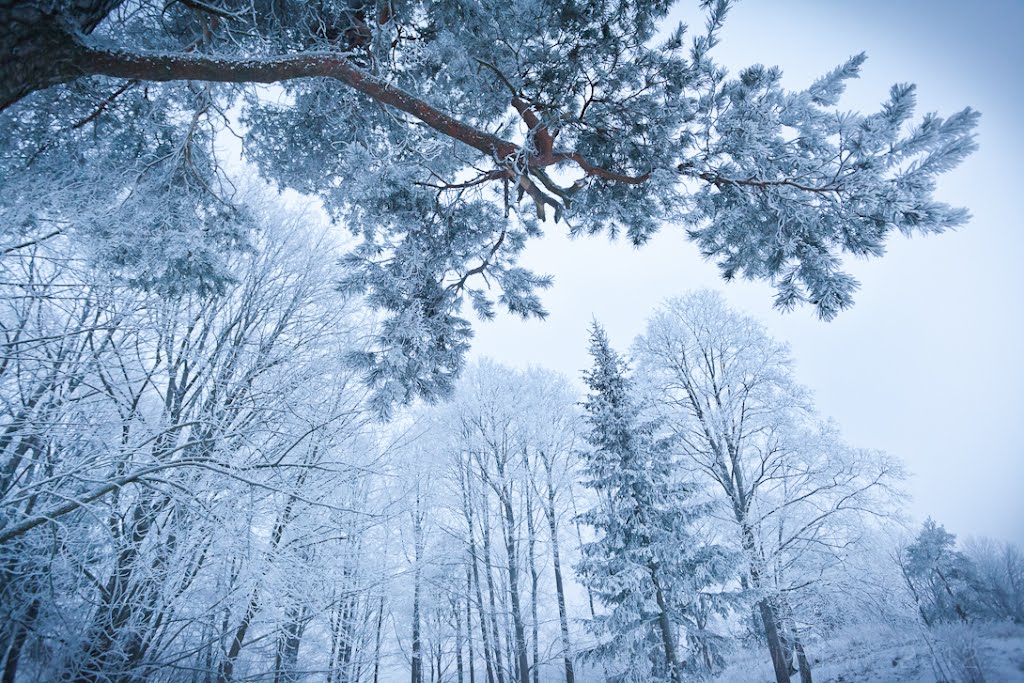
[(333, 620), (18, 638), (287, 657), (563, 619), (227, 666), (801, 658), (519, 629), (668, 638), (531, 536), (459, 665), (376, 646), (804, 666), (417, 654), (486, 537), (787, 646), (467, 510), (416, 673), (120, 621), (346, 646), (469, 627), (767, 611), (957, 607), (771, 631)]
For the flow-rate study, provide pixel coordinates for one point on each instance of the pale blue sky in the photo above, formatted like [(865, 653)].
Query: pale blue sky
[(929, 364)]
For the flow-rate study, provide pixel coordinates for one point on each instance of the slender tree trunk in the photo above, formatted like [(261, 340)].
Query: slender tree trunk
[(416, 673), (563, 618), (473, 564), (459, 665), (499, 663), (668, 637), (770, 621), (957, 607), (801, 658), (766, 610), (531, 536), (334, 619), (787, 646), (340, 666), (18, 638), (793, 641), (417, 654), (15, 632), (200, 674), (913, 592), (287, 657), (121, 615), (346, 646), (492, 668), (377, 638), (227, 666), (523, 664), (469, 626)]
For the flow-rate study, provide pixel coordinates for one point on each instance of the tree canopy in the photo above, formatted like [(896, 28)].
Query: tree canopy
[(444, 134)]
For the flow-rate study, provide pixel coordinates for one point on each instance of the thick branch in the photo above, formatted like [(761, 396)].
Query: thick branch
[(179, 67), (541, 135), (79, 59)]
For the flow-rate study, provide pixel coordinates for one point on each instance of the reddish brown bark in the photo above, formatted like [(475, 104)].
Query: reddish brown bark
[(46, 50)]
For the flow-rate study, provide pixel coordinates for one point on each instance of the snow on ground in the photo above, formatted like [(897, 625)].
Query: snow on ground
[(865, 655)]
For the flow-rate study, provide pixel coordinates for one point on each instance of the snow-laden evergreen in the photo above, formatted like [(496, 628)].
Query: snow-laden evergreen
[(647, 565), (444, 134)]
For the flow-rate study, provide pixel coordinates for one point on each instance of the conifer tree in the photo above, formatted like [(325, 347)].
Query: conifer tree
[(645, 566), (446, 135), (940, 578)]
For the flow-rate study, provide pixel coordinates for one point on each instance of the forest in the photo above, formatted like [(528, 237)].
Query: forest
[(242, 436), (197, 488)]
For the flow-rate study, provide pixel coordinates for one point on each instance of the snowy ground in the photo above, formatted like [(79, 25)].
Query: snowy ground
[(885, 654)]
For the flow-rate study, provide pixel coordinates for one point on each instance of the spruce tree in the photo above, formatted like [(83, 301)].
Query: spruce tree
[(645, 566)]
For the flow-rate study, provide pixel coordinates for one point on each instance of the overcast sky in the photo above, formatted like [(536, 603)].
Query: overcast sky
[(929, 364)]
